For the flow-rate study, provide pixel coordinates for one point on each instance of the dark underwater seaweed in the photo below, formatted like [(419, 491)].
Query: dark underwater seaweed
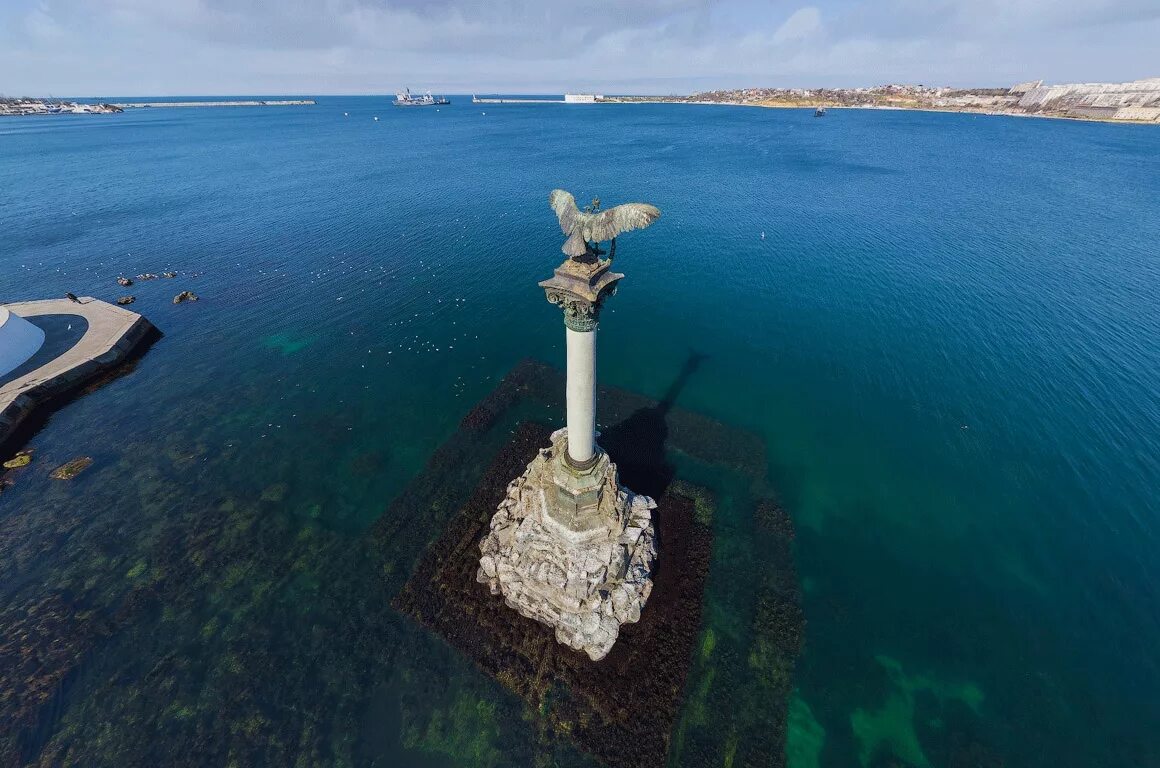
[(594, 705), (620, 709), (237, 631)]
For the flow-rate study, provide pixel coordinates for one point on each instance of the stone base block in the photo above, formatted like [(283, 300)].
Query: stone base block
[(584, 581)]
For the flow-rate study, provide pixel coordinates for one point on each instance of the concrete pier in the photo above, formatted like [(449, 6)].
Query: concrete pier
[(112, 335), (476, 100)]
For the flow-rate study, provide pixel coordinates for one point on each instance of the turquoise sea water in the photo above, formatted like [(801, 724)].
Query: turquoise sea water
[(949, 338)]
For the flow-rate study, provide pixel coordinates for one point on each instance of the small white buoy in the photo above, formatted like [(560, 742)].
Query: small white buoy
[(376, 118)]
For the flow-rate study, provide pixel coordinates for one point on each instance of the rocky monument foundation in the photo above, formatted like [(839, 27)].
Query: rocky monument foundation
[(585, 586), (569, 546)]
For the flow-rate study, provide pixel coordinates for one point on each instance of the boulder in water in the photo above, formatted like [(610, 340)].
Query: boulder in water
[(275, 493), (184, 296), (126, 300), (124, 282), (71, 469), (21, 459)]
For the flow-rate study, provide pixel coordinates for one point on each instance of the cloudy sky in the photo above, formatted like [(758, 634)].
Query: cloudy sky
[(189, 47)]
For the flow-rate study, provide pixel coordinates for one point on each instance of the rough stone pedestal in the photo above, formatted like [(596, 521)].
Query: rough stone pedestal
[(571, 549)]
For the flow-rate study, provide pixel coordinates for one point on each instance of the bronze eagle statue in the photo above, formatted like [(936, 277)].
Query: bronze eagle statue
[(588, 228)]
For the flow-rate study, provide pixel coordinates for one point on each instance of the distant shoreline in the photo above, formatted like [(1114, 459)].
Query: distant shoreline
[(24, 107), (1137, 101), (877, 108), (30, 107)]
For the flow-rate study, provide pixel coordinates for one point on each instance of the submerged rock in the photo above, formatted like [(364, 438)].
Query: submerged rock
[(275, 492), (147, 276), (124, 300), (71, 469), (184, 296), (21, 459), (124, 282), (703, 501), (169, 275)]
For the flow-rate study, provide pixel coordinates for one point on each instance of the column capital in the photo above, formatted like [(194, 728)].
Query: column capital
[(580, 315), (579, 289)]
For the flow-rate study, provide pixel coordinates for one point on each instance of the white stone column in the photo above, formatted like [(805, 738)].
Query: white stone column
[(581, 394)]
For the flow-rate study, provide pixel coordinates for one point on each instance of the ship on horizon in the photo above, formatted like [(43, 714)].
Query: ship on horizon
[(405, 99)]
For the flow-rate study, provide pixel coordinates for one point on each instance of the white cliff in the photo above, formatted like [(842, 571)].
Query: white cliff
[(1137, 100)]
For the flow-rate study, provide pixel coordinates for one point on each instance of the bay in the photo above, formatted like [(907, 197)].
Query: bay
[(944, 326)]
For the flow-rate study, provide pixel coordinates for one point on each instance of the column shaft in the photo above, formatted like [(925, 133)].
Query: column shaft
[(581, 394)]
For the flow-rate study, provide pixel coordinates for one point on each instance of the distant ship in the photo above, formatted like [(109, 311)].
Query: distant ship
[(820, 112), (405, 99)]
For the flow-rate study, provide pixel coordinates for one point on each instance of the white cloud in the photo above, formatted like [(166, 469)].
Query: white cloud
[(40, 25), (802, 25), (181, 47)]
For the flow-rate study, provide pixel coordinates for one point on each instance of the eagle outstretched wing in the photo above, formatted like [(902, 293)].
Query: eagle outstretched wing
[(622, 218), (565, 207), (582, 227)]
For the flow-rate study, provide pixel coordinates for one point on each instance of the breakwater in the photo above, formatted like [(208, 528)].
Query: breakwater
[(112, 335), (477, 100), (266, 103)]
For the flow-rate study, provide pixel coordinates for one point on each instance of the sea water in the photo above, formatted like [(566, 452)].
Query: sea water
[(946, 327)]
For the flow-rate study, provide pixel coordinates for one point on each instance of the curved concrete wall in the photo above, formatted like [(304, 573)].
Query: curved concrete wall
[(19, 340)]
